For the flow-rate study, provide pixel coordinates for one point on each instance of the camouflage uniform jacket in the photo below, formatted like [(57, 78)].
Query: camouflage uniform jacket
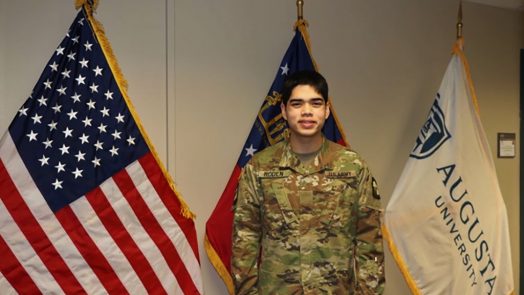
[(311, 229)]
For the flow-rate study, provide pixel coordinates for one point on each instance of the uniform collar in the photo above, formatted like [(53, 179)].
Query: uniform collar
[(289, 159)]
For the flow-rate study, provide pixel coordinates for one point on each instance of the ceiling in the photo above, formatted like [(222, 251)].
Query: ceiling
[(510, 4)]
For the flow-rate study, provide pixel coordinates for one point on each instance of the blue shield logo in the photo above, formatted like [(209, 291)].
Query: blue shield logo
[(433, 134)]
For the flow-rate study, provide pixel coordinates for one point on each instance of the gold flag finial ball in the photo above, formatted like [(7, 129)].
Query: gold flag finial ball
[(91, 3)]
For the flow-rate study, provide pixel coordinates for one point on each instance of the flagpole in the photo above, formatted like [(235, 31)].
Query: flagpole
[(300, 10), (459, 21)]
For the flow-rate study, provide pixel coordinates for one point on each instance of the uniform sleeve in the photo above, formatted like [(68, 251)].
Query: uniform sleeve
[(246, 234), (369, 249)]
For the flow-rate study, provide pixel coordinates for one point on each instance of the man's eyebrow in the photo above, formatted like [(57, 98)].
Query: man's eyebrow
[(302, 99)]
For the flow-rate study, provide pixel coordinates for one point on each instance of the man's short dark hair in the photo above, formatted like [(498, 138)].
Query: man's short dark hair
[(311, 78)]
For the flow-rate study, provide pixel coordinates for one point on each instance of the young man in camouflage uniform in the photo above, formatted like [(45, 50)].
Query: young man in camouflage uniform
[(307, 214)]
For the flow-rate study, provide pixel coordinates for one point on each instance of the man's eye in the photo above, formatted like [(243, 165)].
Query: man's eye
[(296, 104), (317, 104)]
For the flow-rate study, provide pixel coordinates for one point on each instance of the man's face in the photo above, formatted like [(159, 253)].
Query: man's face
[(305, 111)]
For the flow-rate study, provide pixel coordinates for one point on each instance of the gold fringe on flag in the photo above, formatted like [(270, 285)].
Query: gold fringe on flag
[(80, 3), (219, 266), (400, 262), (457, 49)]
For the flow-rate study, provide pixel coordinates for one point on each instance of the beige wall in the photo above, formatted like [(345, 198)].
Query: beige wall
[(198, 71)]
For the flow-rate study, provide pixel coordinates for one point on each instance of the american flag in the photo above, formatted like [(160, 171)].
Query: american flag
[(268, 129), (86, 207)]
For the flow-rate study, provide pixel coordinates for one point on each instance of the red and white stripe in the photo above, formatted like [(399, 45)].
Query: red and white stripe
[(127, 236)]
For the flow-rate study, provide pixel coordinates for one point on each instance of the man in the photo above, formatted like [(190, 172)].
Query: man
[(307, 214)]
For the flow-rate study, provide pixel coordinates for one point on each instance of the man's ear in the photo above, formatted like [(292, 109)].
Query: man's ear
[(283, 110), (328, 109)]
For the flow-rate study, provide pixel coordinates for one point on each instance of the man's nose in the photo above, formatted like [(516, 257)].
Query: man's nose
[(306, 110)]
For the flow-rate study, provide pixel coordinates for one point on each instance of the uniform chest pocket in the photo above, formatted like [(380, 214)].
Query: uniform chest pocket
[(277, 210), (334, 202)]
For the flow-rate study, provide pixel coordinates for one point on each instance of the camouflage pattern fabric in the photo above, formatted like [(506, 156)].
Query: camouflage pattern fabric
[(307, 228)]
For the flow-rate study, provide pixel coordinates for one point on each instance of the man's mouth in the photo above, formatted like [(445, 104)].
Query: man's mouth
[(307, 123)]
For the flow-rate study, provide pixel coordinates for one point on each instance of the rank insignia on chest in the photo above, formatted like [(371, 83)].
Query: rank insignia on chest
[(340, 174)]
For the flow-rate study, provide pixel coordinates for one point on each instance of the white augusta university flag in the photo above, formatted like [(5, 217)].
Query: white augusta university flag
[(446, 221)]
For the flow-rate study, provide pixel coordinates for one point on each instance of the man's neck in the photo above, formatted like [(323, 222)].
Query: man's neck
[(305, 145)]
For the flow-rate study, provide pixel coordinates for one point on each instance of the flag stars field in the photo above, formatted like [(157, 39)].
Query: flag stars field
[(56, 122)]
